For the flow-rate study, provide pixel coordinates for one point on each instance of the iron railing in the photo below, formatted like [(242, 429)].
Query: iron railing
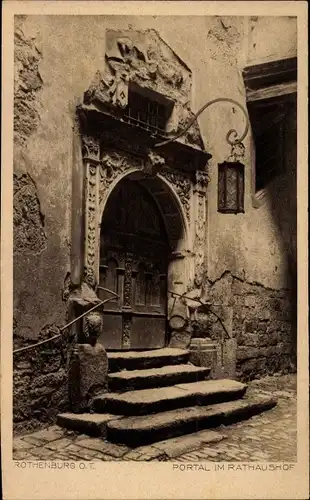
[(207, 306), (63, 328)]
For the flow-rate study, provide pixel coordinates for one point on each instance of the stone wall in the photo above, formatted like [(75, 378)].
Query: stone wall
[(40, 382), (263, 325), (261, 320)]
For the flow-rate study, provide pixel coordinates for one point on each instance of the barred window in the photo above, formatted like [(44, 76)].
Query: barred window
[(150, 112)]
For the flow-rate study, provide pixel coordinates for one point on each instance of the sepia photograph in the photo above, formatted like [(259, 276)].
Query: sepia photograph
[(154, 214)]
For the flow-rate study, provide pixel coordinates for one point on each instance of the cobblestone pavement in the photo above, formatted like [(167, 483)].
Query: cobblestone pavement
[(271, 437)]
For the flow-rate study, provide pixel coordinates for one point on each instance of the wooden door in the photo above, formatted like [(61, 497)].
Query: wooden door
[(133, 263)]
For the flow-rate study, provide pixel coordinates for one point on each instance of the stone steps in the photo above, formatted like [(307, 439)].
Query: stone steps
[(146, 429), (146, 401), (129, 380), (157, 396), (140, 360)]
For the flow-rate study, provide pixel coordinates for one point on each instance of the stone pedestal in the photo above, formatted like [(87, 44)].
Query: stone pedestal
[(226, 359), (207, 353), (203, 353), (181, 339), (88, 369)]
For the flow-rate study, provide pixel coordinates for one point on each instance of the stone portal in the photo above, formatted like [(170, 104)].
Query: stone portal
[(145, 206)]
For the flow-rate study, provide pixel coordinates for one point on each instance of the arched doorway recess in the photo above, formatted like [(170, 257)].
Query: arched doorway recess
[(137, 261), (128, 182)]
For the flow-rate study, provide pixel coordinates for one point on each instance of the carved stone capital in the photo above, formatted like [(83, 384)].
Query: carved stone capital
[(90, 149), (153, 164), (201, 181)]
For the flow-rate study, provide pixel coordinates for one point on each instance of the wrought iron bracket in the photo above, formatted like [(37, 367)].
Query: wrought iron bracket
[(232, 132)]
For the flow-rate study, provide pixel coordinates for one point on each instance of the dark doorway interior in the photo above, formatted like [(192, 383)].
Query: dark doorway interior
[(134, 254)]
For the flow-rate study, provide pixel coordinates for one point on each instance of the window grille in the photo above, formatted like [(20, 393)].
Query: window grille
[(146, 113)]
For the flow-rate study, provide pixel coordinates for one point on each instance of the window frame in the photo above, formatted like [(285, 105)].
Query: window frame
[(267, 82)]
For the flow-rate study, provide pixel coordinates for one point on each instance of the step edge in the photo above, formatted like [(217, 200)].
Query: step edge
[(199, 369), (268, 402), (111, 395)]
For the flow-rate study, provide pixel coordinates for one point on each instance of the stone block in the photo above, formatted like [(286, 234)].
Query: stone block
[(181, 339), (250, 301), (283, 315), (250, 339), (248, 366), (273, 338), (88, 369), (20, 445), (115, 450), (287, 348), (261, 327), (184, 444), (48, 435), (263, 340), (250, 326), (264, 315), (226, 359), (276, 304), (247, 353), (203, 353)]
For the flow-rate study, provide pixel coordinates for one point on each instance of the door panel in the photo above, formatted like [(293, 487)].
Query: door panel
[(145, 331), (134, 258)]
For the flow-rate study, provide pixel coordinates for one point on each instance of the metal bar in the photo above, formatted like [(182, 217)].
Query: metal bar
[(205, 304), (229, 133), (67, 325)]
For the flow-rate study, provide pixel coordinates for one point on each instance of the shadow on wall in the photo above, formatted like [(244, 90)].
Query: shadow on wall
[(283, 201)]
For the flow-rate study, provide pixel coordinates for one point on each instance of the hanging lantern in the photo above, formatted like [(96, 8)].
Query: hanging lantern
[(231, 187), (231, 171)]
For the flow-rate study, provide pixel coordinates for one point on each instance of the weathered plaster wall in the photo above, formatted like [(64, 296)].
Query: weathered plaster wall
[(257, 248), (56, 60), (269, 38)]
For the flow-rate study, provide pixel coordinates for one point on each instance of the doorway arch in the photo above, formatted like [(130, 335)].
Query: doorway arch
[(143, 248)]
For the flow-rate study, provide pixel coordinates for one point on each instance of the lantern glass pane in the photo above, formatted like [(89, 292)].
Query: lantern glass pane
[(221, 187), (231, 188), (241, 190)]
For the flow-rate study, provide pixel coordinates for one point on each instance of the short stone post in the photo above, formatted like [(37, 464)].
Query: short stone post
[(226, 356), (221, 358), (88, 366), (203, 352)]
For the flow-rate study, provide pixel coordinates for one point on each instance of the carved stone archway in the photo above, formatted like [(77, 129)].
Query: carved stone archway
[(115, 146)]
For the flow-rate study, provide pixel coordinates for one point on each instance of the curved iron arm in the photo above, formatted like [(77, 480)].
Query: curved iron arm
[(231, 132)]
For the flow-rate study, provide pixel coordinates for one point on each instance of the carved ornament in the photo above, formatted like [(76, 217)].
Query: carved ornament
[(141, 57), (92, 327), (182, 186), (153, 164), (90, 149), (112, 165), (200, 228), (201, 181), (237, 153), (126, 340), (91, 225)]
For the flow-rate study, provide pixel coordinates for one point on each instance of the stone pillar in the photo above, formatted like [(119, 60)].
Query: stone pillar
[(88, 366), (200, 201), (226, 355), (91, 159)]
